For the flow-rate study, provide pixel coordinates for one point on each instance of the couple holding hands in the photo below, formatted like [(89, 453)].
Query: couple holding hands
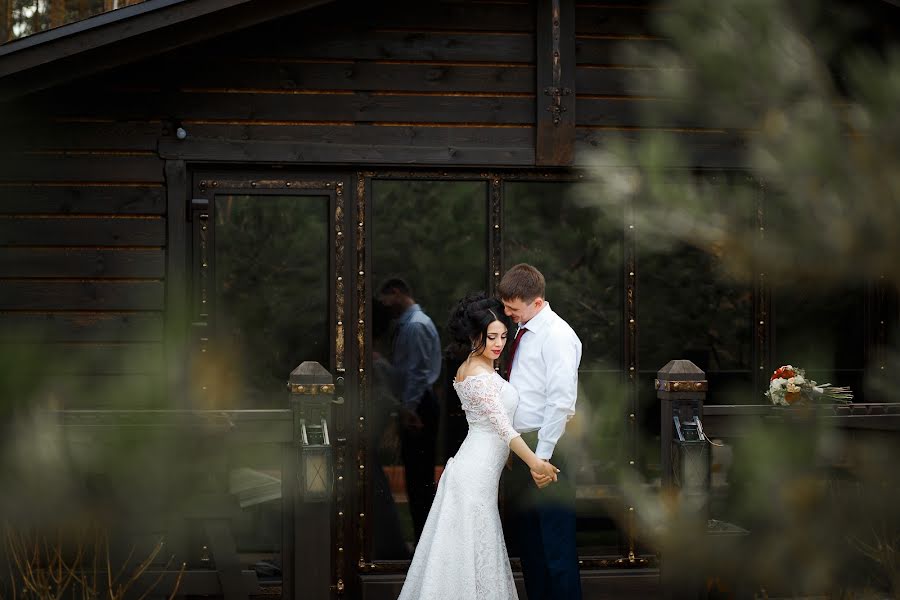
[(462, 553)]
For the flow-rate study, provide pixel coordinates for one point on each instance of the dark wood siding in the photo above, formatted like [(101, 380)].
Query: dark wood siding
[(83, 194), (82, 254), (83, 191), (443, 83), (611, 39)]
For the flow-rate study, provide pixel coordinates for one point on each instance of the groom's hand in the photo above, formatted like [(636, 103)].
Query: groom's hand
[(541, 480)]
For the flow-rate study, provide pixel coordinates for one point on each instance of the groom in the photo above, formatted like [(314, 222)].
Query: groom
[(543, 367)]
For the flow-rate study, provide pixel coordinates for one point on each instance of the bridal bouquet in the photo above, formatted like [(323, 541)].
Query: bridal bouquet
[(789, 385)]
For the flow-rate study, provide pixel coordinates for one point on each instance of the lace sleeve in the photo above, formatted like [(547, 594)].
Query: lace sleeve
[(484, 402)]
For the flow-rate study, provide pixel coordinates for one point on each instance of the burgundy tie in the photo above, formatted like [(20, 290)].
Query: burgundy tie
[(512, 352)]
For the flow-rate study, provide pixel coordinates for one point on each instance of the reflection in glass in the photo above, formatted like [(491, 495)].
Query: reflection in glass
[(271, 263), (706, 317), (255, 481), (819, 329), (823, 333), (579, 251), (226, 499), (269, 314), (431, 238), (22, 18), (690, 308)]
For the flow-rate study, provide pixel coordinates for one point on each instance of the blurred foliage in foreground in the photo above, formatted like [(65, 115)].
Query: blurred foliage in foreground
[(818, 123), (809, 98)]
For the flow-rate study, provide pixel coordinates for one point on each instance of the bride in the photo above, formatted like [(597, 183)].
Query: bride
[(461, 554)]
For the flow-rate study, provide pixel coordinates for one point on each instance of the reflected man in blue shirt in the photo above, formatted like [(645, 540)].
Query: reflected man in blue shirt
[(416, 360)]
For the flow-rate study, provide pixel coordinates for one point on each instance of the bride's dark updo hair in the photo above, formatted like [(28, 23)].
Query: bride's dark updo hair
[(470, 319)]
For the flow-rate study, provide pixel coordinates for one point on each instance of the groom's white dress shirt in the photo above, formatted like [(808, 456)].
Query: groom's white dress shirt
[(545, 373)]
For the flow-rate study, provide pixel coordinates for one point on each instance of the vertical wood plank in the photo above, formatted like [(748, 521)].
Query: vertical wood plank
[(176, 282), (555, 119)]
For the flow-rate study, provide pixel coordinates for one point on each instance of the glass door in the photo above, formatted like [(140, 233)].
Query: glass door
[(267, 294)]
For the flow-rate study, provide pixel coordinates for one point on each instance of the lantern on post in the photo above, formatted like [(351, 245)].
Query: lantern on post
[(681, 387), (312, 390), (311, 394)]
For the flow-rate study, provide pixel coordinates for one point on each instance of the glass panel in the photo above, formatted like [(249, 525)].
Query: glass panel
[(689, 307), (823, 333), (271, 262), (432, 235), (271, 312), (255, 481), (26, 17), (579, 251), (821, 330), (226, 500), (707, 318)]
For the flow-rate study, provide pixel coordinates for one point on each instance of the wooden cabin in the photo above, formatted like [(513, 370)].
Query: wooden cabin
[(197, 196)]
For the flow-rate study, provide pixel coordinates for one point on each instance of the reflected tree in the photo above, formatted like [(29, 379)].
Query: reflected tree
[(21, 18), (807, 94), (272, 261), (579, 251)]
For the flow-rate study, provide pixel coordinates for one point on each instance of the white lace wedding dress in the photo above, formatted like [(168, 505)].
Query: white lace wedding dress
[(461, 554)]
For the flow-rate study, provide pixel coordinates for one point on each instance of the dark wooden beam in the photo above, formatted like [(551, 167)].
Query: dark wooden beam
[(90, 295), (555, 46), (314, 152), (66, 230), (176, 326), (92, 358), (80, 327), (90, 262), (83, 198), (126, 35)]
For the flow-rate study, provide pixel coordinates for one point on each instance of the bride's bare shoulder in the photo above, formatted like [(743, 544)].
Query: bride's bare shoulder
[(467, 370)]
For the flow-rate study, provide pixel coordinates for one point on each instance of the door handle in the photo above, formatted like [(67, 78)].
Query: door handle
[(338, 390)]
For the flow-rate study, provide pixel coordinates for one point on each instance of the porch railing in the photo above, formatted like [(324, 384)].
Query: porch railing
[(186, 456), (690, 428)]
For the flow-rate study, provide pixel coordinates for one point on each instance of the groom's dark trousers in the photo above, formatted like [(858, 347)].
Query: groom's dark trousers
[(542, 524)]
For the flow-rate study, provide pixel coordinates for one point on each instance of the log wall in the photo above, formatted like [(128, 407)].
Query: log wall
[(83, 188)]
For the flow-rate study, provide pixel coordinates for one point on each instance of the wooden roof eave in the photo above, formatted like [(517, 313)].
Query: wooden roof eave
[(126, 35)]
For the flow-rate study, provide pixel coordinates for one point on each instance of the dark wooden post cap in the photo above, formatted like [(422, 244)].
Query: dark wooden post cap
[(681, 379), (310, 378)]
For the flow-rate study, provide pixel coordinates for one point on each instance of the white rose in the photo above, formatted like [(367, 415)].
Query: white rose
[(791, 388), (798, 379), (778, 383)]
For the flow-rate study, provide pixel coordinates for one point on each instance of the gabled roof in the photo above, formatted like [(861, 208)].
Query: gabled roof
[(125, 35)]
